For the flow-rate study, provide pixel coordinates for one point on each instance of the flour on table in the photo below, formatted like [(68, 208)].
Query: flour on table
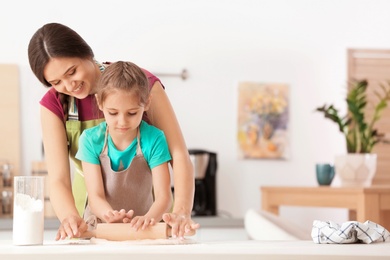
[(168, 241)]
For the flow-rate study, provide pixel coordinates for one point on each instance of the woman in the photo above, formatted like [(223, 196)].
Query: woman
[(61, 59)]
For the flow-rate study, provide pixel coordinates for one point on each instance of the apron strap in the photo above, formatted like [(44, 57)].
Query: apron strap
[(105, 141), (139, 150), (73, 113)]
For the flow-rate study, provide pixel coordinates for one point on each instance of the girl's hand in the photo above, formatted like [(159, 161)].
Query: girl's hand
[(72, 226), (129, 216), (180, 224), (115, 216), (142, 222)]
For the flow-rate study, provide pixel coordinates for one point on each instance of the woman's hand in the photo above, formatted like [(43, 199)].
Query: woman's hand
[(72, 226), (180, 224), (121, 216)]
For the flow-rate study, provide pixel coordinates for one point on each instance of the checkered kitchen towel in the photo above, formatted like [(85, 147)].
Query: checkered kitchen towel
[(348, 232)]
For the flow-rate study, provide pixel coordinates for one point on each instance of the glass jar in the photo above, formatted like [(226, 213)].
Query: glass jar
[(6, 202), (7, 174)]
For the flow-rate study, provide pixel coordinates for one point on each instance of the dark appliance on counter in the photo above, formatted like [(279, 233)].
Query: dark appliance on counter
[(205, 169)]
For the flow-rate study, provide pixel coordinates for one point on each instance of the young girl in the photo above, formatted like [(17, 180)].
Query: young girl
[(124, 157)]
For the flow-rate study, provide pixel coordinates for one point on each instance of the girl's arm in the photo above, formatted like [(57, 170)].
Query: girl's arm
[(162, 116), (96, 195), (58, 168), (162, 198)]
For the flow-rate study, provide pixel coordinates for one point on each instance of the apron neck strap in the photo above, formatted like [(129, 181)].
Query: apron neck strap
[(139, 150)]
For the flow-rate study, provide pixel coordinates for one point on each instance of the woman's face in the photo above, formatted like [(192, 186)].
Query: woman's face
[(72, 76)]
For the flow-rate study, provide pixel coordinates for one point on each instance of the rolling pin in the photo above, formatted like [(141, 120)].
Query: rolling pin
[(123, 231)]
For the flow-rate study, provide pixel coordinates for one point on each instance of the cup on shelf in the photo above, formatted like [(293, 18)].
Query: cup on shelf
[(28, 212), (325, 173)]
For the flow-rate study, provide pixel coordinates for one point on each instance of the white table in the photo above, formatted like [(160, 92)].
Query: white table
[(240, 250)]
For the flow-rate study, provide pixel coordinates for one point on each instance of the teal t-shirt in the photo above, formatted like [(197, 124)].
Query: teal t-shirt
[(153, 145)]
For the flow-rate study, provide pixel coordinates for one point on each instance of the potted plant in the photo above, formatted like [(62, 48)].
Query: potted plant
[(358, 166)]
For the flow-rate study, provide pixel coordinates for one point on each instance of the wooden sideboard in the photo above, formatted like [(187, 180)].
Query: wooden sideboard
[(364, 203)]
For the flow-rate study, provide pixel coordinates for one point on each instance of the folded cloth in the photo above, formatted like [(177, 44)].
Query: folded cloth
[(330, 232)]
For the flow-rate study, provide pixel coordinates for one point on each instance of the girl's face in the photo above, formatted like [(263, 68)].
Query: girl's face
[(123, 112), (72, 76)]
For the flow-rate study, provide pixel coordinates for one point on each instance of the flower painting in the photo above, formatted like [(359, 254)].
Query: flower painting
[(263, 121)]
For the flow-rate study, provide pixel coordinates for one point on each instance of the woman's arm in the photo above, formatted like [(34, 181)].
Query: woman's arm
[(58, 167), (162, 198), (162, 116)]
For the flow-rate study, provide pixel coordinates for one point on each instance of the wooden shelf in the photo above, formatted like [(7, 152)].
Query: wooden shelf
[(10, 138), (364, 203)]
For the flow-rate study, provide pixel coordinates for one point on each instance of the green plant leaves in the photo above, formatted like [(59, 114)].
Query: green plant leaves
[(360, 135)]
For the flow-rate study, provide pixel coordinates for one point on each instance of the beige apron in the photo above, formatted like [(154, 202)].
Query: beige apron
[(130, 188)]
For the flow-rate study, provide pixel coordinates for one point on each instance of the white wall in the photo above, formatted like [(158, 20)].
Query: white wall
[(299, 42)]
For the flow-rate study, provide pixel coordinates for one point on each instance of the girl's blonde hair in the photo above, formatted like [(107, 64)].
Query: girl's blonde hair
[(126, 76)]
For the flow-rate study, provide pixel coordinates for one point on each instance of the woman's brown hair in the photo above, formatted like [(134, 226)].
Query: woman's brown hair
[(54, 40)]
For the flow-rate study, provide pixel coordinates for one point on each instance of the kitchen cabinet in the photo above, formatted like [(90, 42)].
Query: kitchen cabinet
[(10, 137), (374, 66)]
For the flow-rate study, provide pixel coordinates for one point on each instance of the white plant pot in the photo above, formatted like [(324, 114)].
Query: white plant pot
[(355, 169)]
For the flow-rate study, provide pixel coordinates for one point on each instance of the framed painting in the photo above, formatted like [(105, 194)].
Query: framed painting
[(263, 120)]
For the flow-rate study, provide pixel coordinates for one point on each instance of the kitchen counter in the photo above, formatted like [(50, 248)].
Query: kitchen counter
[(240, 250), (215, 222)]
